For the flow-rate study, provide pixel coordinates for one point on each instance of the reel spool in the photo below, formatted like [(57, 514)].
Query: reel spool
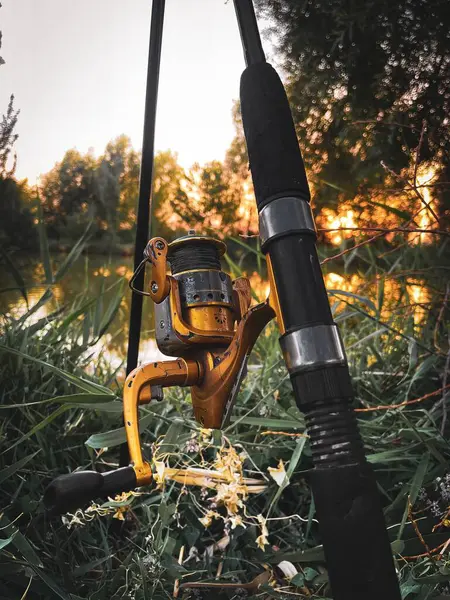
[(205, 294)]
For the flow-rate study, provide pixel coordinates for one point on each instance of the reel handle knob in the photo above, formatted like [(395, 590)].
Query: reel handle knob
[(75, 490)]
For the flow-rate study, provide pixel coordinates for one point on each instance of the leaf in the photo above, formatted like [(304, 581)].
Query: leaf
[(16, 274), (74, 254), (43, 242), (5, 542), (21, 543), (310, 573), (111, 311), (416, 484), (362, 299), (270, 423), (83, 569), (92, 401), (59, 411), (238, 241), (166, 512), (115, 408), (413, 354), (380, 295), (269, 592), (366, 338), (423, 369), (143, 572), (403, 214), (170, 544), (333, 186), (397, 546), (9, 471), (84, 399), (115, 437), (311, 513), (298, 580), (54, 586), (386, 456), (46, 296), (296, 455), (311, 555), (171, 439)]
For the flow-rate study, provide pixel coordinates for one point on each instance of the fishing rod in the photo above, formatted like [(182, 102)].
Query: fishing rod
[(207, 323), (145, 190), (146, 177)]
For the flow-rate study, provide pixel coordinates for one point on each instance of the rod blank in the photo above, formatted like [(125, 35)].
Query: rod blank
[(248, 28), (146, 177)]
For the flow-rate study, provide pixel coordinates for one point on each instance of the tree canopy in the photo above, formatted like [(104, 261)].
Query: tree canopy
[(362, 80), (369, 87), (82, 188), (16, 221)]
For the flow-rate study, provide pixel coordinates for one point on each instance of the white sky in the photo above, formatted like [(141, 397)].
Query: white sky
[(78, 68)]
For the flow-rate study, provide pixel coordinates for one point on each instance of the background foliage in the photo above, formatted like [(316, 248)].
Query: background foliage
[(362, 80), (61, 411)]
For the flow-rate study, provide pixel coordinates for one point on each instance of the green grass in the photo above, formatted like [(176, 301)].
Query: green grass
[(60, 406)]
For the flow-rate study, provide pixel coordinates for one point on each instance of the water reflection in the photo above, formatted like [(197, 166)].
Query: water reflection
[(100, 278)]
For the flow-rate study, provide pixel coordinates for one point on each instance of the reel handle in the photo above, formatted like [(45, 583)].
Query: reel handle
[(75, 490)]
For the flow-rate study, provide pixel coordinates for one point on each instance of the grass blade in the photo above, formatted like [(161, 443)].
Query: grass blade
[(296, 455), (43, 242), (9, 471), (87, 386), (15, 274), (416, 484), (74, 254)]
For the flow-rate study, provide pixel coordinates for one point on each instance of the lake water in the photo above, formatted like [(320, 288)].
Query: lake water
[(92, 276), (100, 277)]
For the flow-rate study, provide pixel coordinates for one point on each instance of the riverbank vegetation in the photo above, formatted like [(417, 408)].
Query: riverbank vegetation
[(61, 411), (370, 105)]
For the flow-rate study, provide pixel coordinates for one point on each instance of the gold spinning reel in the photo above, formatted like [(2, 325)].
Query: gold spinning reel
[(207, 321)]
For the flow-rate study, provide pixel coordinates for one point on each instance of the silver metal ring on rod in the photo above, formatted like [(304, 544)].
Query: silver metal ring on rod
[(319, 345), (285, 215)]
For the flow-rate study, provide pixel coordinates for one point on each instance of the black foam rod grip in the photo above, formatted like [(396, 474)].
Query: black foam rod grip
[(275, 159), (76, 490), (351, 524)]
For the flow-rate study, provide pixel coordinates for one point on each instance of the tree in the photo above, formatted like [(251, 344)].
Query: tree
[(208, 199), (169, 199), (68, 195), (128, 185), (236, 158), (7, 139), (116, 181), (362, 78), (16, 220), (7, 135), (81, 188)]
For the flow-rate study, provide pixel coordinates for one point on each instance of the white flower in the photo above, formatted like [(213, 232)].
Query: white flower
[(278, 474)]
